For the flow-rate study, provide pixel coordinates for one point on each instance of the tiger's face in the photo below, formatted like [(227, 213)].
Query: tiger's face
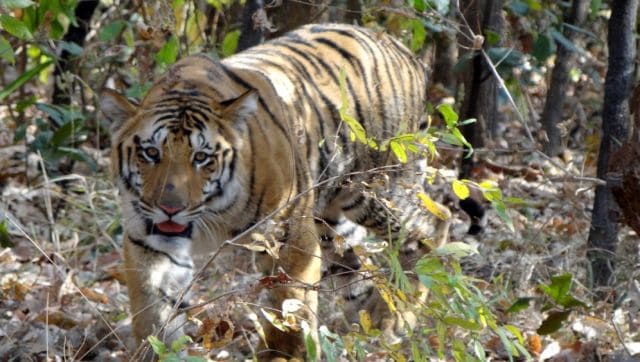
[(178, 158)]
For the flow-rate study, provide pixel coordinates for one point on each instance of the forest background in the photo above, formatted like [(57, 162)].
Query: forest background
[(541, 90)]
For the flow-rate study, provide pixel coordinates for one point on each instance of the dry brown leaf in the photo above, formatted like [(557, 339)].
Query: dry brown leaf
[(534, 344), (94, 296), (56, 318), (216, 333)]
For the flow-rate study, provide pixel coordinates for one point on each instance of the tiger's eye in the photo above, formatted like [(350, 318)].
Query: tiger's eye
[(152, 152), (200, 157)]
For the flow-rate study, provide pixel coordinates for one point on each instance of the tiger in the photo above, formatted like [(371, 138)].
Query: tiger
[(218, 146)]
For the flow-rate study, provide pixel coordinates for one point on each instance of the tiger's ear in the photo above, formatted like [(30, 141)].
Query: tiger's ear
[(237, 110), (116, 108)]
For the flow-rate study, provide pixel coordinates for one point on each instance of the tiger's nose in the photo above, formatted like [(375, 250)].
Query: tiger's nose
[(171, 209)]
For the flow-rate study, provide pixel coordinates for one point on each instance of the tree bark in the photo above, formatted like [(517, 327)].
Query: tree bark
[(565, 58), (76, 34), (446, 51), (480, 87), (603, 234), (292, 14), (480, 93), (251, 30)]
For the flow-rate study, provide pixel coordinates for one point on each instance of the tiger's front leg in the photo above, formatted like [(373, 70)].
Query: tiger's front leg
[(155, 278), (300, 258)]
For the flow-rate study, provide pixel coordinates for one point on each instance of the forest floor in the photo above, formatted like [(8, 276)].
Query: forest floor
[(63, 297)]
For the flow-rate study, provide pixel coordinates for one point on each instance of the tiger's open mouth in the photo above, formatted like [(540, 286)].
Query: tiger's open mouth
[(169, 228)]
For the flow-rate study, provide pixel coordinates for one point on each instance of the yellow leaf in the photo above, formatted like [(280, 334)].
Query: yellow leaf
[(433, 207), (460, 189), (385, 293), (365, 321)]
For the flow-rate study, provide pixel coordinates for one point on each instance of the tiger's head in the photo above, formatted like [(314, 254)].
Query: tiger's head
[(178, 155)]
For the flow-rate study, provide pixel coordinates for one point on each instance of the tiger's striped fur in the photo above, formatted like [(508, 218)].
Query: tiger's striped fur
[(216, 146)]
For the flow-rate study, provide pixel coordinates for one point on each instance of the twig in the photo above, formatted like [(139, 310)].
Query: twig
[(62, 273)]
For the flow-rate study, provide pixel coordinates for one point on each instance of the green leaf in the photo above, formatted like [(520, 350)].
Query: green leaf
[(168, 54), (16, 4), (565, 42), (460, 189), (515, 331), (179, 344), (329, 343), (450, 116), (534, 5), (111, 31), (6, 51), (157, 345), (230, 43), (520, 304), (428, 265), (170, 357), (595, 7), (464, 323), (23, 78), (194, 359), (398, 149), (71, 47), (419, 5), (559, 287), (309, 343), (66, 133), (553, 322), (15, 27), (5, 237), (501, 210), (491, 37), (419, 34), (78, 155), (457, 249), (53, 111), (519, 8), (543, 47), (357, 130)]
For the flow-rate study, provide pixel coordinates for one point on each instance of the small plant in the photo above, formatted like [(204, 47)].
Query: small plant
[(173, 355), (557, 300), (57, 139)]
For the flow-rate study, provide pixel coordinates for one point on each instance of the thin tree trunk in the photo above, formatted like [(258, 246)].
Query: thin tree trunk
[(76, 34), (565, 57), (251, 30), (480, 86), (603, 234), (292, 14), (445, 56), (480, 94), (446, 52)]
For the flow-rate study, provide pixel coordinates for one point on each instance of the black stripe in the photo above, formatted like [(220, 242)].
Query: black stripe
[(236, 78), (357, 202), (146, 247), (354, 61)]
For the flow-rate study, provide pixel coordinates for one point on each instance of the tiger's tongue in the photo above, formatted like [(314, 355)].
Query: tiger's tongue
[(171, 227)]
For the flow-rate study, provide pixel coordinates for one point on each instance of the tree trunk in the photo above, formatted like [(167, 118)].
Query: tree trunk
[(480, 93), (445, 57), (76, 34), (251, 30), (565, 57), (615, 123), (446, 51), (480, 87), (292, 14)]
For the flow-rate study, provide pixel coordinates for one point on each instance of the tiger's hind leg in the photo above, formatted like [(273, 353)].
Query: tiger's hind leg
[(395, 215)]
